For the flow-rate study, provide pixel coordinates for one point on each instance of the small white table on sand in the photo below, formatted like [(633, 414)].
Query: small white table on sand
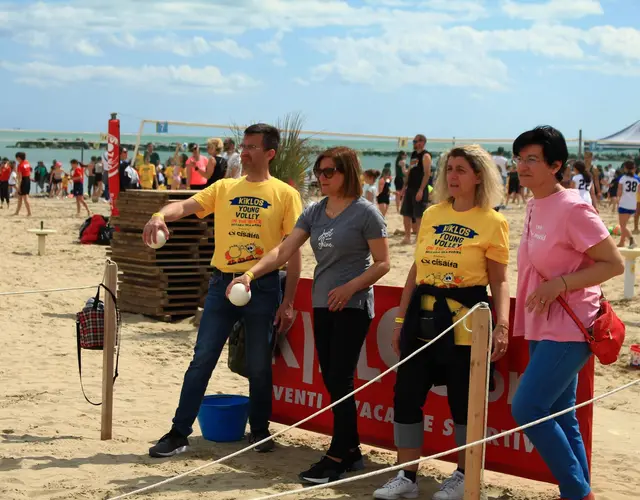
[(630, 256), (42, 235)]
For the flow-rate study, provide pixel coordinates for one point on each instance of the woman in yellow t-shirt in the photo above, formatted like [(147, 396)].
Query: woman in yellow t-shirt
[(462, 246)]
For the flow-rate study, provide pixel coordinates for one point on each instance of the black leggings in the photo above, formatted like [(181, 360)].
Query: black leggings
[(4, 191), (339, 337), (417, 376)]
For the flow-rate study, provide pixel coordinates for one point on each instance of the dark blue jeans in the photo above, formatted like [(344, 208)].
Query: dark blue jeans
[(547, 386), (218, 318)]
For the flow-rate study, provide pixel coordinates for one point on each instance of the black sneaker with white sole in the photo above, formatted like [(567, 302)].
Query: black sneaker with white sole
[(172, 443), (327, 469), (256, 437)]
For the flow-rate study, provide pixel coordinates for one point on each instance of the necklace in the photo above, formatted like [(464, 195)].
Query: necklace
[(334, 213)]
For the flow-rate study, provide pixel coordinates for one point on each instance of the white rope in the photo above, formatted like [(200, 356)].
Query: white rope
[(297, 424), (26, 292), (444, 453)]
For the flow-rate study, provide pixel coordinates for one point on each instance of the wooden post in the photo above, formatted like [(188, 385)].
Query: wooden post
[(477, 402), (111, 282)]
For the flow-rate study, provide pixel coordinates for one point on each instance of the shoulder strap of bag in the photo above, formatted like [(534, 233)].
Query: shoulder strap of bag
[(118, 341), (560, 299)]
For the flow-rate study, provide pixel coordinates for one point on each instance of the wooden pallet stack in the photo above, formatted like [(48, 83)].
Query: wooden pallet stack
[(169, 283)]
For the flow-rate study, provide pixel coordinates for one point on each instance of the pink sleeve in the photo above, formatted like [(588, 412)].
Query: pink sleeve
[(585, 228)]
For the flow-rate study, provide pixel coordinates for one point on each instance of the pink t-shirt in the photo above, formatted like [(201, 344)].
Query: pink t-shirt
[(198, 168), (562, 227)]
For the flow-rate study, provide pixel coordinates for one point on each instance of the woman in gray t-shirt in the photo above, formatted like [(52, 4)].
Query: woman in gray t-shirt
[(345, 231)]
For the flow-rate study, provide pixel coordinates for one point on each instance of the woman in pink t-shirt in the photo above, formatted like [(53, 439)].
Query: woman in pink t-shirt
[(565, 250), (196, 168)]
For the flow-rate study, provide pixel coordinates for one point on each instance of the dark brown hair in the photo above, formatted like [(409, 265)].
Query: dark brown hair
[(372, 173), (347, 163)]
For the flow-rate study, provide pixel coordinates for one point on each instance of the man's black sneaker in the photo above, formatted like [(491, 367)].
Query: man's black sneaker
[(170, 444), (256, 437), (324, 471)]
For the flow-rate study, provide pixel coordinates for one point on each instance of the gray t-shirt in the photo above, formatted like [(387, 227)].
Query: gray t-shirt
[(341, 249)]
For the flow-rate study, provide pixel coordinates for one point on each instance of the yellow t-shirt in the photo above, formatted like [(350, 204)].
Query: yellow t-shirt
[(252, 218), (147, 172), (452, 251), (168, 173)]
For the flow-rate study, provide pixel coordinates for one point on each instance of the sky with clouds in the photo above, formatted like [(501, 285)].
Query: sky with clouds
[(465, 68)]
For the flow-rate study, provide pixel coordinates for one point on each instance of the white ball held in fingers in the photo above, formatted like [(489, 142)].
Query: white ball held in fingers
[(161, 239), (239, 296)]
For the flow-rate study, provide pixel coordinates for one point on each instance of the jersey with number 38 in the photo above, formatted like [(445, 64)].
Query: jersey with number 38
[(630, 185)]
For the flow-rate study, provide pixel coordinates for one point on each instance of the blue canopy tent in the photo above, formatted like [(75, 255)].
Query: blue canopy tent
[(626, 139)]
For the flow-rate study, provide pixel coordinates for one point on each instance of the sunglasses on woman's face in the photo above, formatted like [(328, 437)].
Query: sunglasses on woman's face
[(327, 172)]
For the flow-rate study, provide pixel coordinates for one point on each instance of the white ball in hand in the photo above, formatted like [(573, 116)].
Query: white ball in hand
[(185, 146), (161, 239), (239, 296)]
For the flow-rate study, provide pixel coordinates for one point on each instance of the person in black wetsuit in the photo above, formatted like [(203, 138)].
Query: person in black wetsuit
[(416, 196)]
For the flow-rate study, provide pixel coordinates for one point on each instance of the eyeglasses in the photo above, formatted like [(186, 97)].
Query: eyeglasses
[(529, 161), (249, 147), (327, 172)]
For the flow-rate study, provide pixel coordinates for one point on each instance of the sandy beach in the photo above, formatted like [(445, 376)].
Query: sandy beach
[(50, 444)]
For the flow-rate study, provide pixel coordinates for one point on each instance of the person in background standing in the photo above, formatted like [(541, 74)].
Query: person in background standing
[(98, 170), (5, 173), (501, 162), (234, 165), (77, 177), (147, 173), (150, 156), (370, 188), (627, 201), (91, 176), (217, 165), (398, 181), (416, 196), (196, 168), (23, 183), (384, 188), (584, 182)]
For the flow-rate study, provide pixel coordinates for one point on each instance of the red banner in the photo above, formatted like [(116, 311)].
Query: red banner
[(113, 162), (298, 391)]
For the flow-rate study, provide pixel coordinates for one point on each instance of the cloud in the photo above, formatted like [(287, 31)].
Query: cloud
[(85, 47), (552, 9), (182, 46), (165, 78), (272, 46)]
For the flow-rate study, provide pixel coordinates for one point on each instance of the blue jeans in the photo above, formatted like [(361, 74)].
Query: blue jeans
[(218, 318), (547, 386)]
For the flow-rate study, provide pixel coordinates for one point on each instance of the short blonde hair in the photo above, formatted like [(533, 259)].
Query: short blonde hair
[(216, 143), (488, 191)]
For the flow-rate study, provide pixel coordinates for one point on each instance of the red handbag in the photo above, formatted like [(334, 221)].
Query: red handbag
[(606, 336)]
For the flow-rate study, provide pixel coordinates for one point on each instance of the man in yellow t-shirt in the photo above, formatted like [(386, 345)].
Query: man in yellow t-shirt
[(253, 215), (147, 174)]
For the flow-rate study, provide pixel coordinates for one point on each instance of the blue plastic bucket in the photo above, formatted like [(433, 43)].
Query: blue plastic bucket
[(223, 418)]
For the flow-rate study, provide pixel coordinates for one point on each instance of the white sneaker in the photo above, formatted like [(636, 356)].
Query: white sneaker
[(398, 487), (452, 488)]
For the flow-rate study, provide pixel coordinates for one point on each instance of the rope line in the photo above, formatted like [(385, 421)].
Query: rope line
[(448, 452), (26, 292), (297, 424)]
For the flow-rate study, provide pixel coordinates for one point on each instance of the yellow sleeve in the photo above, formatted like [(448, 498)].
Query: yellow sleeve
[(498, 249), (207, 199), (292, 212)]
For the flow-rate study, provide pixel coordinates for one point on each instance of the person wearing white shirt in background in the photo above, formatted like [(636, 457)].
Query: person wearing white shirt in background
[(627, 192), (234, 165), (370, 187), (500, 160), (583, 182)]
